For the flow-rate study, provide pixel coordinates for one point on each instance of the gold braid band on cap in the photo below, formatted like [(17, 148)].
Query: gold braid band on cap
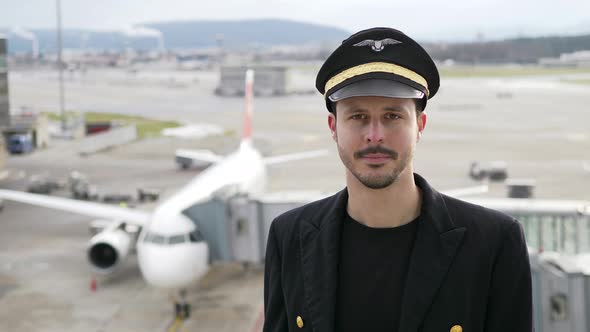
[(372, 67)]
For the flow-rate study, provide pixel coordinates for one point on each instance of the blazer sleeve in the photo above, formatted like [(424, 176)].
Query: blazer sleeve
[(275, 314), (510, 304)]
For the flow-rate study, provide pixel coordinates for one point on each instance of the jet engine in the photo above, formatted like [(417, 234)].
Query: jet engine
[(108, 249)]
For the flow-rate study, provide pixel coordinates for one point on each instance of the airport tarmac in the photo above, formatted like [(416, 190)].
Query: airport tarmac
[(45, 278), (538, 126), (45, 285)]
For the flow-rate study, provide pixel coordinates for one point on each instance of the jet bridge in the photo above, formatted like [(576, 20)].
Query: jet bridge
[(236, 227), (550, 225), (558, 234)]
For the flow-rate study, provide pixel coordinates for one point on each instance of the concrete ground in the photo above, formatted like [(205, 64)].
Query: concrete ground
[(45, 278), (538, 126)]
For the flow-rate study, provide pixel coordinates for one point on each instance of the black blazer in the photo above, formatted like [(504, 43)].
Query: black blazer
[(469, 267)]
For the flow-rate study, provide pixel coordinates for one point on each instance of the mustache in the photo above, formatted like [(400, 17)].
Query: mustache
[(376, 149)]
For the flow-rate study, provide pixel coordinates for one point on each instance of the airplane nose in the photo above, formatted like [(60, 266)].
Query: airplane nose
[(175, 266)]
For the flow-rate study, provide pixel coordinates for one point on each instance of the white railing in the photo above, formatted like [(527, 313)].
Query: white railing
[(550, 225)]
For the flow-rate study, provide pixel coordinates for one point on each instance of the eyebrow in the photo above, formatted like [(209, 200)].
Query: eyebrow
[(395, 109), (354, 109), (362, 109)]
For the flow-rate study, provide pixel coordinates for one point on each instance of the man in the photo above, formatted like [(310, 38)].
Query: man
[(390, 253)]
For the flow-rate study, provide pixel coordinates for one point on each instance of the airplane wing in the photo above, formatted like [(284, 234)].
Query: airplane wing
[(294, 156), (205, 156), (136, 217)]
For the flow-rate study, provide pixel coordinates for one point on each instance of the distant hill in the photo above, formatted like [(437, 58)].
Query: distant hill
[(247, 32), (519, 50), (188, 34), (252, 34)]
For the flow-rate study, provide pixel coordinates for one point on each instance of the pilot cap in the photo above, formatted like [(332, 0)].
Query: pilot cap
[(378, 62)]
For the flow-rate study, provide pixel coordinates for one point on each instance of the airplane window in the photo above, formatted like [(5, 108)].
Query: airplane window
[(157, 239), (177, 239), (148, 238), (195, 236)]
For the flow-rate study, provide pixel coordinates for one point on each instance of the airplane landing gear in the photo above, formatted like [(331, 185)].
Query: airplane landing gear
[(182, 308)]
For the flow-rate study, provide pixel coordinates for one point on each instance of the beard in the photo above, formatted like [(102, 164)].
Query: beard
[(375, 181)]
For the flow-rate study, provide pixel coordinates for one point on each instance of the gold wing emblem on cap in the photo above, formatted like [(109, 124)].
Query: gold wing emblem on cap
[(377, 45)]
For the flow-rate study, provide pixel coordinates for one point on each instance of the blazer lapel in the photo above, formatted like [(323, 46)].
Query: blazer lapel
[(319, 243), (434, 248)]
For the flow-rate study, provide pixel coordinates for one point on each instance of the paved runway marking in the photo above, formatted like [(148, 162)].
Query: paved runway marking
[(175, 325), (12, 174)]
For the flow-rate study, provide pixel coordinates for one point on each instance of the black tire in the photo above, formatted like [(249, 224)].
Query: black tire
[(186, 310)]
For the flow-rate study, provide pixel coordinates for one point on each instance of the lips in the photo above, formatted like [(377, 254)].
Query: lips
[(376, 158)]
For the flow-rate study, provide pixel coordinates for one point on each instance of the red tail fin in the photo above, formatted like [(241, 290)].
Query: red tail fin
[(249, 94)]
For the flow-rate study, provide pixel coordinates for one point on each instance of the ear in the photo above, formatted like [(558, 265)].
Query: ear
[(332, 126), (421, 124)]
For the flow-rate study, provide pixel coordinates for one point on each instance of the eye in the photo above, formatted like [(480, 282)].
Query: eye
[(392, 116), (358, 116)]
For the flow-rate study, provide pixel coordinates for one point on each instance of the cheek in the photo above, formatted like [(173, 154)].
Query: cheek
[(347, 137), (404, 139)]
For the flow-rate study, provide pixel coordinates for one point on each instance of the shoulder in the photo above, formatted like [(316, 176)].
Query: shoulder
[(463, 212), (482, 222), (310, 212), (285, 230)]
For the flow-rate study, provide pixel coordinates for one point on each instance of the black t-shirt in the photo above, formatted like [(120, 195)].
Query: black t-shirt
[(371, 275)]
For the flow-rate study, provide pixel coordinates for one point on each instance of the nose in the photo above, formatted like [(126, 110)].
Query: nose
[(375, 132)]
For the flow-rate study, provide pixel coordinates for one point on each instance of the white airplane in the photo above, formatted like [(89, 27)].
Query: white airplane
[(172, 253)]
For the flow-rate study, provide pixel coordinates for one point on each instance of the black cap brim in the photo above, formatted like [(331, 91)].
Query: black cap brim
[(376, 88)]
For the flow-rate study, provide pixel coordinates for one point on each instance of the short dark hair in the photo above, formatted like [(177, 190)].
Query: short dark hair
[(420, 104)]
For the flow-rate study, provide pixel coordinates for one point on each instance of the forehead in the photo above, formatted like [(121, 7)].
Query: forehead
[(369, 103)]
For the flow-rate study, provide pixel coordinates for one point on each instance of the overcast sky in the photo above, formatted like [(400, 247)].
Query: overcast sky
[(426, 19)]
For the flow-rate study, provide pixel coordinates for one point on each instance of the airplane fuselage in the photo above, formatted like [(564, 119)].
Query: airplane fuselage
[(171, 252)]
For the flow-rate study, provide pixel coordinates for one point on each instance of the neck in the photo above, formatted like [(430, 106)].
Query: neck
[(394, 206)]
